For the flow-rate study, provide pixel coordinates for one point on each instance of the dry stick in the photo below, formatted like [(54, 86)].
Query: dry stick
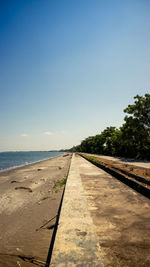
[(23, 257), (46, 223)]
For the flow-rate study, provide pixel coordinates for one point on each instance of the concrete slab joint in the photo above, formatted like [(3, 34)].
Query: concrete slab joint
[(76, 242)]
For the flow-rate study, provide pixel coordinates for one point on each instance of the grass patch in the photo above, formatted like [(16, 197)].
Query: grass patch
[(44, 198), (137, 170), (59, 183)]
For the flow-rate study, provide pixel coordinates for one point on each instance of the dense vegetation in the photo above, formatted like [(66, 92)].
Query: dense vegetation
[(131, 140)]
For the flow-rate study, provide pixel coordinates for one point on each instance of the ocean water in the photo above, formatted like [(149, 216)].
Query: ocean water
[(14, 159)]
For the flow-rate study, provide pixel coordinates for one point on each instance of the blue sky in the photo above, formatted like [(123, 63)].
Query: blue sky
[(68, 68)]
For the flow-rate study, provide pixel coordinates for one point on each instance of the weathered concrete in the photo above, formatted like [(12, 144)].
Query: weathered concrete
[(76, 242), (121, 216)]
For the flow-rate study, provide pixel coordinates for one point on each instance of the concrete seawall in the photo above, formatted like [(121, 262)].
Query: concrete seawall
[(103, 222), (76, 242)]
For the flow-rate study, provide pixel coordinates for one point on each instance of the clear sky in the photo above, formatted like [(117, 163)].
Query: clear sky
[(68, 68)]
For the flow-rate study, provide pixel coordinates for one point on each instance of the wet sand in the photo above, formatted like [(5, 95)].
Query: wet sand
[(29, 197)]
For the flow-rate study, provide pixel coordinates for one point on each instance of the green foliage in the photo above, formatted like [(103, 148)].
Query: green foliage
[(140, 110), (131, 140), (136, 129), (60, 183)]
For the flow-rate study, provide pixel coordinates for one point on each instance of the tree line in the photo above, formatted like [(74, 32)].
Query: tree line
[(131, 140)]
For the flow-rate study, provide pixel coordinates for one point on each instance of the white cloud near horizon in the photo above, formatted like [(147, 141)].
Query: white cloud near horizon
[(55, 133), (24, 135), (48, 133)]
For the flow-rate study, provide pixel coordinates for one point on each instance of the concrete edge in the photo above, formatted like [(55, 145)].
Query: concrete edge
[(76, 242)]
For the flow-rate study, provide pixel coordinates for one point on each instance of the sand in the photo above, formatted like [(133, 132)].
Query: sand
[(29, 197)]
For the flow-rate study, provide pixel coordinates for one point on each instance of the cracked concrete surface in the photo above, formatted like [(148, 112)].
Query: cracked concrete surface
[(103, 222), (76, 242)]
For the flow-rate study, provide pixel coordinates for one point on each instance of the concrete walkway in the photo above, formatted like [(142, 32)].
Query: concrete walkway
[(121, 216), (102, 222), (76, 242)]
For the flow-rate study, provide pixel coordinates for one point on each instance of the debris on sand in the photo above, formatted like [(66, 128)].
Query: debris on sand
[(42, 179), (39, 170), (18, 263), (44, 198), (46, 223), (14, 181), (29, 259), (65, 155), (23, 187), (51, 227)]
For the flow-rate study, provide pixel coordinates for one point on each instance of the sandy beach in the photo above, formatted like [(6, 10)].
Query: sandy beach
[(29, 198)]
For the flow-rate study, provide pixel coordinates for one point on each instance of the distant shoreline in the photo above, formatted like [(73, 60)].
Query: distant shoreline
[(30, 163), (24, 151)]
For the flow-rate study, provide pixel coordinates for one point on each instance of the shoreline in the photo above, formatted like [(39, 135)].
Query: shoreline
[(29, 202), (27, 164)]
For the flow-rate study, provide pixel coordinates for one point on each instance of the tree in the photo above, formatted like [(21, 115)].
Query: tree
[(136, 130), (140, 111), (131, 140), (108, 140)]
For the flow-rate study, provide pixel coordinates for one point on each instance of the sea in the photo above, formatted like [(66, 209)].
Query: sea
[(10, 160)]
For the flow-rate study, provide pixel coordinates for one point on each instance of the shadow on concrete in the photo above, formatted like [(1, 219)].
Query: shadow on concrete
[(49, 256)]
